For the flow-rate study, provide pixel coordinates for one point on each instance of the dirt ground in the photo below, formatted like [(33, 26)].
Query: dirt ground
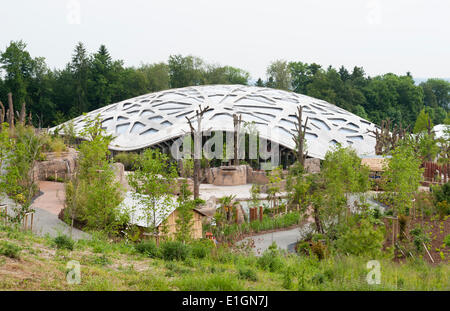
[(436, 229)]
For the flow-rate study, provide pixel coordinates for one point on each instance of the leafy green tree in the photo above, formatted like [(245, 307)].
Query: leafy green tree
[(153, 181), (343, 175), (437, 114), (93, 195), (18, 156), (100, 84), (436, 93), (423, 122), (156, 76), (402, 177), (259, 82), (280, 74), (185, 206), (225, 75), (19, 67), (80, 67), (185, 71), (5, 145)]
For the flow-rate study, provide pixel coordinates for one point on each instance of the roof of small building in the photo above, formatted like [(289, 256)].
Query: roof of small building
[(375, 164), (141, 216)]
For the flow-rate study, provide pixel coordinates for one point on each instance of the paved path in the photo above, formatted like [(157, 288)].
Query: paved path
[(284, 239), (47, 207)]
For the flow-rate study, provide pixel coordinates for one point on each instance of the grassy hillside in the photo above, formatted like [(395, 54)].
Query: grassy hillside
[(28, 262)]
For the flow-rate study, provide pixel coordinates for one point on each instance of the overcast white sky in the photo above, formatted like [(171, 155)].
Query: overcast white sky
[(382, 36)]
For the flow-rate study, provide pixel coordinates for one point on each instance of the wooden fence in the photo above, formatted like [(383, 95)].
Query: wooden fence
[(435, 173)]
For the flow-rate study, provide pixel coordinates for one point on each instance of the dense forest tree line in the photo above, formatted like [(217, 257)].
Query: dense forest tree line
[(90, 81)]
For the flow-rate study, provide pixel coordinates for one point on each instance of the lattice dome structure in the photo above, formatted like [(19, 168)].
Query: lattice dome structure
[(156, 119)]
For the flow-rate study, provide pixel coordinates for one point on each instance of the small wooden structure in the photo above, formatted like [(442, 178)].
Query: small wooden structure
[(28, 218), (376, 166), (166, 216), (170, 224)]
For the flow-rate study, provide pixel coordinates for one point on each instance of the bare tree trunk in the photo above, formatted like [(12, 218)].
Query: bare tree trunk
[(237, 125), (10, 112), (23, 114), (317, 220), (197, 135), (299, 136), (197, 167), (2, 113)]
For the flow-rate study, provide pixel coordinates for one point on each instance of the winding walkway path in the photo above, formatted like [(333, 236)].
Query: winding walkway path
[(47, 207)]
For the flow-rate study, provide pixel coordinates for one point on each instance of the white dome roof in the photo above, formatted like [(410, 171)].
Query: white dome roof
[(153, 118)]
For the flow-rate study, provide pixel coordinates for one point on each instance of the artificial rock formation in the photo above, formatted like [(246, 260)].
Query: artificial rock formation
[(56, 166), (229, 175)]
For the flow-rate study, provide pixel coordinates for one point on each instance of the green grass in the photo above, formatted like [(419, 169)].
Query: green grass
[(109, 265)]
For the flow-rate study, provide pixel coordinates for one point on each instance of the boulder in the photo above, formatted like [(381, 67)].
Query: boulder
[(312, 165)]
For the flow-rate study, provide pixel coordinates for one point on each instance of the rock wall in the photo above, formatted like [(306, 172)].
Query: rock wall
[(228, 175), (256, 177), (56, 166), (312, 165)]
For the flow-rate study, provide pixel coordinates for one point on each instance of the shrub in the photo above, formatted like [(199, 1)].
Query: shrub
[(318, 278), (361, 238), (287, 277), (174, 250), (57, 145), (319, 249), (64, 242), (270, 259), (10, 250), (419, 237), (201, 249), (247, 273), (303, 248), (128, 159), (147, 248), (447, 240)]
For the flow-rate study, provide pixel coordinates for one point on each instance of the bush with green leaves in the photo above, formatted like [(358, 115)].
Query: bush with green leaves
[(19, 150), (175, 250), (271, 259), (148, 248), (447, 240), (201, 248), (129, 160), (93, 195), (247, 273), (10, 250), (361, 238), (64, 242), (419, 238), (441, 196)]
